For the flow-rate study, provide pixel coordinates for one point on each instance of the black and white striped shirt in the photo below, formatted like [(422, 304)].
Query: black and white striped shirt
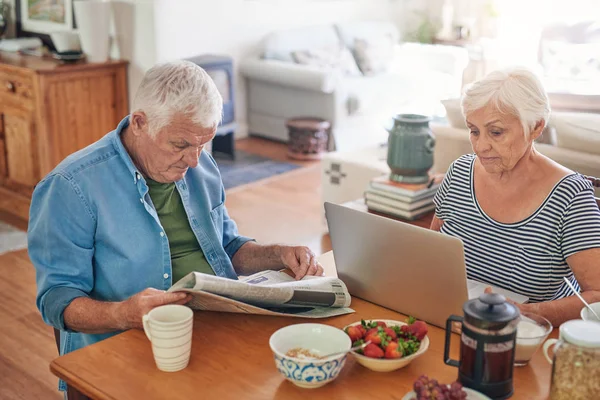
[(526, 257)]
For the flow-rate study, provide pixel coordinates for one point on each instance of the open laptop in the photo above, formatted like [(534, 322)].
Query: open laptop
[(412, 270)]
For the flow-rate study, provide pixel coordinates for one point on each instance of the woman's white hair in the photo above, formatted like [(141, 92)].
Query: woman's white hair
[(515, 91), (178, 87)]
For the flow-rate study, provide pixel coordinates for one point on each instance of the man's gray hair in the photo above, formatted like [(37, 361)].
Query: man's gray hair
[(514, 91), (178, 87)]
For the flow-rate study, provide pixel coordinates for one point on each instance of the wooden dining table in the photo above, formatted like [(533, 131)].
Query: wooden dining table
[(231, 359)]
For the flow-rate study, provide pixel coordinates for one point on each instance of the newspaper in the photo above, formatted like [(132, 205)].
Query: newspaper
[(267, 293)]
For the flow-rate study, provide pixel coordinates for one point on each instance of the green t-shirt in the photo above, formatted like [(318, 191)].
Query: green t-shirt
[(186, 254)]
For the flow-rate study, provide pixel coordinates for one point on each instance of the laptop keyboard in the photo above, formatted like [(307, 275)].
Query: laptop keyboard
[(472, 284)]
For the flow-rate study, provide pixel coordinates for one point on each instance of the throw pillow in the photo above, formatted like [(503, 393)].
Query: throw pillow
[(454, 113), (373, 57), (571, 60), (336, 57), (577, 131)]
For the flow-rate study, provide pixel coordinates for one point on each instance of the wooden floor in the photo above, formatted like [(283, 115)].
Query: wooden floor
[(283, 209)]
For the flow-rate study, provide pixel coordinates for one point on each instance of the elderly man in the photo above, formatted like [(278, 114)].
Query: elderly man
[(117, 223)]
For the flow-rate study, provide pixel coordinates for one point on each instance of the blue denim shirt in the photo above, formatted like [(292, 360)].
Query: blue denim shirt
[(93, 231)]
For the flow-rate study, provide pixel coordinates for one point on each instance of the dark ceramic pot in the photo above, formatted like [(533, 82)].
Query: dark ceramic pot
[(410, 148)]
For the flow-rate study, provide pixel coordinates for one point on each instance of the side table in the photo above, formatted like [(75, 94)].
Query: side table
[(224, 140), (346, 175), (308, 138)]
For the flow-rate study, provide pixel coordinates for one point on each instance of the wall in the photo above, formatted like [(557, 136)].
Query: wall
[(149, 31), (134, 38), (235, 27)]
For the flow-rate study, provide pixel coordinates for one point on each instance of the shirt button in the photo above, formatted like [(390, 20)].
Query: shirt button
[(162, 234), (166, 276), (137, 176)]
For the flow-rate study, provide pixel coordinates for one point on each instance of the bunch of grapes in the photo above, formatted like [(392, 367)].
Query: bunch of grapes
[(431, 389)]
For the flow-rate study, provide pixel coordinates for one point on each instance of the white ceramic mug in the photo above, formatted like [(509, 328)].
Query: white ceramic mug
[(169, 329), (547, 345)]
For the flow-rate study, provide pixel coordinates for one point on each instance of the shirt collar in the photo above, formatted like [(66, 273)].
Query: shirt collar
[(118, 144)]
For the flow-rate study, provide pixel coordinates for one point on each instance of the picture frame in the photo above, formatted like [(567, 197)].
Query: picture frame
[(39, 18)]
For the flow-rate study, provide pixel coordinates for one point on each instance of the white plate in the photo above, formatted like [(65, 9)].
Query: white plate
[(471, 395)]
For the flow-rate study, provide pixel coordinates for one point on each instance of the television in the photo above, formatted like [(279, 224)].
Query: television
[(220, 69)]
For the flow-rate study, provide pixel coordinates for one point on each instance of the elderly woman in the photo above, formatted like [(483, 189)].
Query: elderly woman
[(526, 222), (117, 223)]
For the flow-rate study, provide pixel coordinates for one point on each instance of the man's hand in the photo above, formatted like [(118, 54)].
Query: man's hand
[(301, 260), (134, 308)]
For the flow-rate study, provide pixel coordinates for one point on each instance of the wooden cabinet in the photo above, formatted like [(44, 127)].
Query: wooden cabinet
[(21, 163), (49, 110)]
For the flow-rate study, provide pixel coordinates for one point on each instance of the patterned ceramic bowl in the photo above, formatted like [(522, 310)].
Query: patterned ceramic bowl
[(297, 350)]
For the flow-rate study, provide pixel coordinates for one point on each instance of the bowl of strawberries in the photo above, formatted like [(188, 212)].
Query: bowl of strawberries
[(393, 344)]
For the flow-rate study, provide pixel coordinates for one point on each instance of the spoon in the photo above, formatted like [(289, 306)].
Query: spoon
[(582, 299), (360, 346)]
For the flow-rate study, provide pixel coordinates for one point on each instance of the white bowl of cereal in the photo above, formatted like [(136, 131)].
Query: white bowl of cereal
[(301, 353)]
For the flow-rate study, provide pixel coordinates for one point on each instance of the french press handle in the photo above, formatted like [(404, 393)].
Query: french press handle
[(449, 321)]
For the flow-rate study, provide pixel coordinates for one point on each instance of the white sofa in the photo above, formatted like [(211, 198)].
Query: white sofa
[(357, 106), (574, 142)]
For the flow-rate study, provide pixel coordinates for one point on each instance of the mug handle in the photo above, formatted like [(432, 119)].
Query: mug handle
[(146, 324), (547, 345), (447, 359)]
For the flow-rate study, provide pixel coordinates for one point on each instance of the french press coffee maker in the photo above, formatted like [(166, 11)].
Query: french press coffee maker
[(487, 345)]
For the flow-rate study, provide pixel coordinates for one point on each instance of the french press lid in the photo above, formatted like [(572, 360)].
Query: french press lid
[(490, 311)]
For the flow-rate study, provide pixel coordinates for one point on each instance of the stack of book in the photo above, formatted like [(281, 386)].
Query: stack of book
[(401, 200)]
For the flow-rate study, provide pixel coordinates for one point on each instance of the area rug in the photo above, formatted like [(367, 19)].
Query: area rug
[(248, 167), (11, 238)]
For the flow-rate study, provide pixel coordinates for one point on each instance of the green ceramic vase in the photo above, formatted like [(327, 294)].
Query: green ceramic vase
[(410, 148)]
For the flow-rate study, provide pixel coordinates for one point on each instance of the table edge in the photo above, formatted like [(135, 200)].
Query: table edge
[(89, 390)]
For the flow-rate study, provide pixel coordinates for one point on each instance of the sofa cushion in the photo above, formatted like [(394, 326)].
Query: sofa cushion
[(280, 45), (373, 57), (570, 60), (338, 57), (388, 94), (456, 119), (548, 136), (577, 131), (454, 113), (371, 31)]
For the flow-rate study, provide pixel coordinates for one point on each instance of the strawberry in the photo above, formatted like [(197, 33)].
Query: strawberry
[(418, 329), (369, 331), (404, 331), (393, 351), (381, 324), (362, 329), (354, 332), (390, 332), (373, 336), (373, 351)]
